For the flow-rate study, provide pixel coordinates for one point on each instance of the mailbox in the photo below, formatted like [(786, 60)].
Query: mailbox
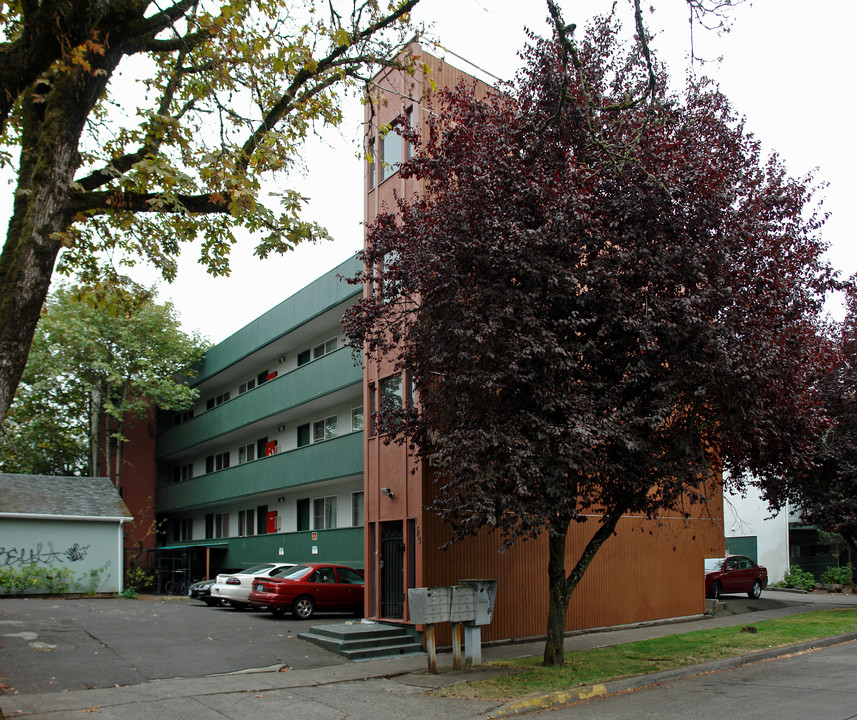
[(429, 605), (485, 592), (463, 605)]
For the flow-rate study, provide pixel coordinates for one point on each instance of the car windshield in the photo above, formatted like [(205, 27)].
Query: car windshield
[(712, 564), (297, 572), (256, 569)]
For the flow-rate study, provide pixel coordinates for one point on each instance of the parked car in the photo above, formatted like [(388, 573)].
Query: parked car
[(202, 591), (734, 574), (233, 588), (310, 587)]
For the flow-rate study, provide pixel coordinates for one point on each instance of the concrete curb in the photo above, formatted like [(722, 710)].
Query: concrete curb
[(636, 682)]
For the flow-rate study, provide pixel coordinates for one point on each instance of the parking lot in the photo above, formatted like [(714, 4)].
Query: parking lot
[(57, 644)]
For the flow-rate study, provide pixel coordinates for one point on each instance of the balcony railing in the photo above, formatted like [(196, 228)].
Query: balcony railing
[(328, 460), (332, 372)]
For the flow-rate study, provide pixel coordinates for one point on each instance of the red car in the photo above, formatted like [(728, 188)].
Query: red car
[(310, 587), (734, 574)]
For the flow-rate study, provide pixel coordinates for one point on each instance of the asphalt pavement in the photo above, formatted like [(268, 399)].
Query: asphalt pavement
[(173, 678)]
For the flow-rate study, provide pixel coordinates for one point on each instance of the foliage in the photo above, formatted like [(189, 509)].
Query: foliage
[(137, 580), (599, 302), (826, 493), (842, 575), (600, 665), (129, 593), (50, 579), (140, 127), (101, 350), (800, 579)]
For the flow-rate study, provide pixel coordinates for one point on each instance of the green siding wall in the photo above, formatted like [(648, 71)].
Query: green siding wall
[(328, 460), (332, 372), (318, 297), (341, 546)]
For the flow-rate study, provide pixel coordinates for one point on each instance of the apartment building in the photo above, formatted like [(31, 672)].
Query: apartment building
[(268, 463), (650, 569)]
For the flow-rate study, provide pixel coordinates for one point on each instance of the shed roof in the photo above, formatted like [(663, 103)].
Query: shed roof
[(91, 497)]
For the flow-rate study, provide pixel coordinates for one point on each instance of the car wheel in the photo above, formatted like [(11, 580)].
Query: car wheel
[(715, 590), (756, 590), (303, 608), (277, 611)]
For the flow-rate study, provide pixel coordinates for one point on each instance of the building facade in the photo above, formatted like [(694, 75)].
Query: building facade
[(650, 569), (268, 464)]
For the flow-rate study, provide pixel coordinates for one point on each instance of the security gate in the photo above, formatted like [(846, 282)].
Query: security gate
[(392, 570)]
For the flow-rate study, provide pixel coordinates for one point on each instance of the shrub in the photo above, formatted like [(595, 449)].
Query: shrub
[(797, 578), (50, 579), (838, 575), (138, 579)]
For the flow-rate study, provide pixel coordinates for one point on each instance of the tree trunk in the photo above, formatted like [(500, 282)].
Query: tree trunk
[(52, 120), (559, 595), (560, 587)]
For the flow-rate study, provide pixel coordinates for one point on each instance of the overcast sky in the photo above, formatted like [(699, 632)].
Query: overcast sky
[(787, 65)]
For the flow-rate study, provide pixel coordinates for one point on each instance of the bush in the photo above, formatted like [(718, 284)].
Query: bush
[(797, 578), (138, 579), (838, 575), (50, 579)]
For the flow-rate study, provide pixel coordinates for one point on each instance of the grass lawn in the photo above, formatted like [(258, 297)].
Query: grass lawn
[(599, 665)]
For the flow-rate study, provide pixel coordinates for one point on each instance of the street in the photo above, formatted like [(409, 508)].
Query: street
[(816, 684)]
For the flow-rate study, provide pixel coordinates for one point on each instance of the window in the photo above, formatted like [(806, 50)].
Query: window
[(209, 526), (317, 351), (324, 513), (357, 508), (370, 156), (391, 153), (221, 525), (303, 435), (349, 576), (409, 147), (246, 453), (391, 398), (182, 472), (372, 408), (182, 529), (218, 400), (217, 462), (357, 419), (182, 417), (325, 429), (249, 385), (246, 522), (261, 445)]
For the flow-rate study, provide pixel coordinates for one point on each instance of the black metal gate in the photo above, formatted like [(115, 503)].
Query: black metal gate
[(392, 570)]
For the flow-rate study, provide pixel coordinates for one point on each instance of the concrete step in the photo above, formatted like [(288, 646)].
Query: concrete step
[(359, 641)]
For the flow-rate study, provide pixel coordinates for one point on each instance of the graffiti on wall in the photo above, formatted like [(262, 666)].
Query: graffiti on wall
[(11, 557)]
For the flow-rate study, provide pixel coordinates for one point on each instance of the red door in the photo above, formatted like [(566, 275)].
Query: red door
[(271, 524)]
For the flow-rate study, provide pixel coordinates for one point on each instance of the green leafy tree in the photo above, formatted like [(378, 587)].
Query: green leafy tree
[(103, 354), (107, 166)]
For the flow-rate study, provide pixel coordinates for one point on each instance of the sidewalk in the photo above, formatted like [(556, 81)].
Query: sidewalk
[(381, 689)]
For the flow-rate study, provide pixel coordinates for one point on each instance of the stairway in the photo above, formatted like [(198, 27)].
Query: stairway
[(363, 641)]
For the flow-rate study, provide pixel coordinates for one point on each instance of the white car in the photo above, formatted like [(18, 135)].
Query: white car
[(233, 589)]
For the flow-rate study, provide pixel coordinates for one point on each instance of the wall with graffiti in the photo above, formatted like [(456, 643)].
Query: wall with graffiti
[(86, 555)]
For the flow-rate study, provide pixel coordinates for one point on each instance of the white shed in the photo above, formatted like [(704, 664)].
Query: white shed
[(63, 522)]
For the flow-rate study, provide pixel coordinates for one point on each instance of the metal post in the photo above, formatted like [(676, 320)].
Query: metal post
[(473, 645), (431, 648), (457, 663)]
